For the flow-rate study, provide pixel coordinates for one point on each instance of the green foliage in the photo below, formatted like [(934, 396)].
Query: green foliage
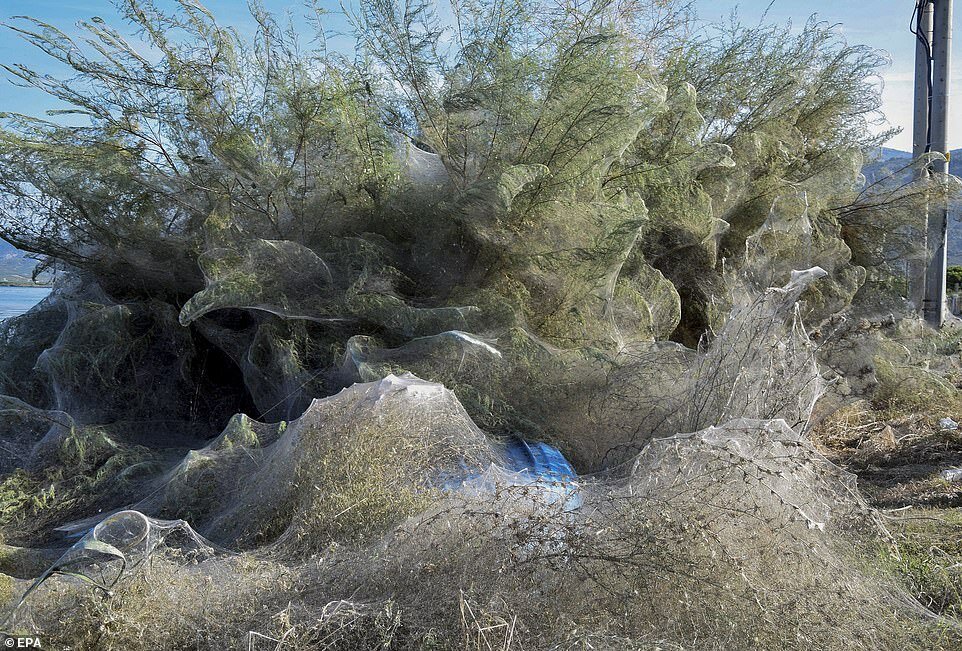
[(214, 133), (953, 277), (559, 178), (909, 388), (193, 156), (20, 495), (87, 464), (916, 372), (925, 555)]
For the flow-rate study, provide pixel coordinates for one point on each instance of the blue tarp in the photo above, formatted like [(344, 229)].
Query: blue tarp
[(540, 460), (543, 465)]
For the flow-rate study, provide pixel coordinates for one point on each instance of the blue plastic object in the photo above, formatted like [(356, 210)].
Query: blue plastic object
[(540, 460), (525, 463), (543, 465)]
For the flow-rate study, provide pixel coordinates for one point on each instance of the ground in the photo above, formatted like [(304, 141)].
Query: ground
[(899, 459)]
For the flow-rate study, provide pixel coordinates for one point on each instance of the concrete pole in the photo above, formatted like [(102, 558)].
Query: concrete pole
[(915, 269), (933, 305)]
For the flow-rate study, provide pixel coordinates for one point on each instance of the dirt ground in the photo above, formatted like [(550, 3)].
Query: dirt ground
[(899, 460)]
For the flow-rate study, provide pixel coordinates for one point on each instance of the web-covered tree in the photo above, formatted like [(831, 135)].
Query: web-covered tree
[(575, 181)]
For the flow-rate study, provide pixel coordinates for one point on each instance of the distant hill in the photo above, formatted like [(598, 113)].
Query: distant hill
[(886, 157), (892, 159), (15, 267), (886, 154)]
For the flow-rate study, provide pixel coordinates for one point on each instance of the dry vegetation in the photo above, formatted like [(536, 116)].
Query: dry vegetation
[(899, 449)]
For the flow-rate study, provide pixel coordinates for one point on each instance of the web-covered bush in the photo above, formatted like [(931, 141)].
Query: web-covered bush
[(584, 223), (564, 172)]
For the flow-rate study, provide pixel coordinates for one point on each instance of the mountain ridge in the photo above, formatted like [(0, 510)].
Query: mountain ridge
[(889, 158), (16, 267)]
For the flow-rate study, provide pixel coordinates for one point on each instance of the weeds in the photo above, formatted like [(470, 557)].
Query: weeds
[(927, 557), (89, 465)]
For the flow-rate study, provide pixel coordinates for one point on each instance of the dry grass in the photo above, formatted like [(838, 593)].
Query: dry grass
[(927, 556), (6, 589), (704, 544), (898, 456), (371, 475)]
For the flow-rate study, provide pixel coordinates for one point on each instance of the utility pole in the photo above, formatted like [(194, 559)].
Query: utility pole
[(920, 134), (933, 305)]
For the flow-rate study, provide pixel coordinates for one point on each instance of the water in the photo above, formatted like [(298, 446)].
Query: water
[(17, 300)]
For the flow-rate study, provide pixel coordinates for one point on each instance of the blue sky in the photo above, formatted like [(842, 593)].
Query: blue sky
[(881, 24)]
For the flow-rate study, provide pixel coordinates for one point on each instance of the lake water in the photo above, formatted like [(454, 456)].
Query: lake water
[(17, 300)]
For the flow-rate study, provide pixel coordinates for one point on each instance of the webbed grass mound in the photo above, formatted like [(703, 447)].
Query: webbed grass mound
[(719, 539), (352, 466)]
